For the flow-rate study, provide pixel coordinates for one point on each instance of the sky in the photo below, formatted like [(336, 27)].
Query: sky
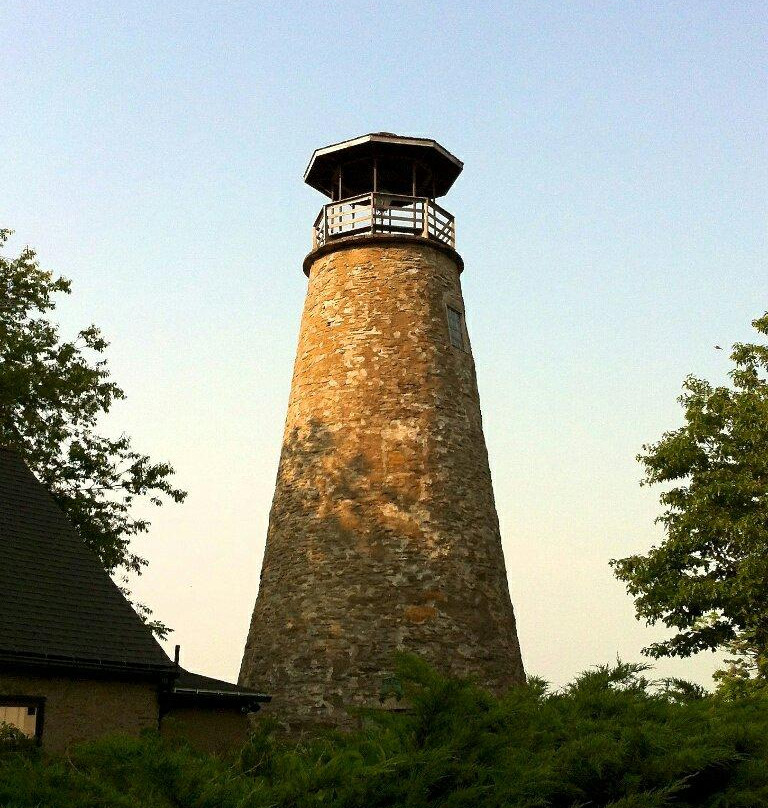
[(611, 216)]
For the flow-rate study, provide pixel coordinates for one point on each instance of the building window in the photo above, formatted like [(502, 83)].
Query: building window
[(455, 328), (24, 713)]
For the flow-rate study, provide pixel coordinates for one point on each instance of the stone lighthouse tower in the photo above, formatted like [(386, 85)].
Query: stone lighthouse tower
[(383, 533)]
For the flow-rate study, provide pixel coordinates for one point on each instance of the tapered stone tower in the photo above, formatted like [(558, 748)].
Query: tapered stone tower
[(383, 533)]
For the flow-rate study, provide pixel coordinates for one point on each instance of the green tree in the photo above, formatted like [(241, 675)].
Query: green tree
[(708, 578), (52, 395)]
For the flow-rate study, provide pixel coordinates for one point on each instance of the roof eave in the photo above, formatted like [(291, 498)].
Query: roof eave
[(84, 664), (405, 141), (242, 694)]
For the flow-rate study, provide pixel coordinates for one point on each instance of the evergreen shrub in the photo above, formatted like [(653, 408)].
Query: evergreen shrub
[(611, 738)]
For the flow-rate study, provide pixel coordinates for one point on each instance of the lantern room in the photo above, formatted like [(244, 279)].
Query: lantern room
[(383, 184)]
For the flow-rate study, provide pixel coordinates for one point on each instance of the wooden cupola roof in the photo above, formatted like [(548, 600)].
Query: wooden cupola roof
[(404, 165)]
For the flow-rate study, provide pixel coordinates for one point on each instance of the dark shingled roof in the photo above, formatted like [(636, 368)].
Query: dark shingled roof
[(196, 683), (57, 604), (443, 166)]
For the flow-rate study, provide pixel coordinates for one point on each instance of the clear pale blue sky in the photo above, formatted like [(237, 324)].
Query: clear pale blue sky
[(611, 215)]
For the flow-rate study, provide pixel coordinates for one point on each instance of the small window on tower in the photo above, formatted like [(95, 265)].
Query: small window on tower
[(455, 329)]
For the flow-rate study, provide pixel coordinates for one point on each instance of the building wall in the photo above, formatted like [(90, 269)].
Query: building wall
[(383, 533), (209, 729), (82, 709)]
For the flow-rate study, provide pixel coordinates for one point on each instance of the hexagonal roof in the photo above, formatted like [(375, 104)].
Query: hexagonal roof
[(442, 165)]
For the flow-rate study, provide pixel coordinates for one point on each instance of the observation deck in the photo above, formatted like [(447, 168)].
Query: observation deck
[(384, 213), (383, 184)]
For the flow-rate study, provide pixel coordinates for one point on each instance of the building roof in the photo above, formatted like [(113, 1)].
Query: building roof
[(58, 607), (194, 684), (399, 151)]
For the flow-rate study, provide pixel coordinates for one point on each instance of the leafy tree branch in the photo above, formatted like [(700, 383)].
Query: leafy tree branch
[(708, 579), (52, 394)]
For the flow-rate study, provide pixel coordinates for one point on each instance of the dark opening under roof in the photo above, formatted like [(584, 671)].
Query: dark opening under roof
[(401, 162)]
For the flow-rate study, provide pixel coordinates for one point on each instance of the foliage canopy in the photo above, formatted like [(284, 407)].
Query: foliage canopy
[(708, 579), (610, 739), (52, 394)]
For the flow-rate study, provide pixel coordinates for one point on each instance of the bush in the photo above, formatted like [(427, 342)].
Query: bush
[(611, 739), (14, 743)]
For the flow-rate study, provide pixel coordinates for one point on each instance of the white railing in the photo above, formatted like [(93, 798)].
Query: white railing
[(384, 213)]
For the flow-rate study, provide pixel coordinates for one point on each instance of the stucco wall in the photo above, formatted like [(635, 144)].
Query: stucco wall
[(83, 709), (383, 533), (209, 729)]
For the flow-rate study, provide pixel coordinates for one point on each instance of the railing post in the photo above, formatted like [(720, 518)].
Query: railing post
[(325, 224), (425, 223), (373, 201)]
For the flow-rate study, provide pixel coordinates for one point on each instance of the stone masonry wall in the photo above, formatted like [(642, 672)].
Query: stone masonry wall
[(383, 533), (83, 709)]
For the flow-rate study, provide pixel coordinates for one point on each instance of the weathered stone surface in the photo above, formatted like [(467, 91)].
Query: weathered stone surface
[(383, 533)]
